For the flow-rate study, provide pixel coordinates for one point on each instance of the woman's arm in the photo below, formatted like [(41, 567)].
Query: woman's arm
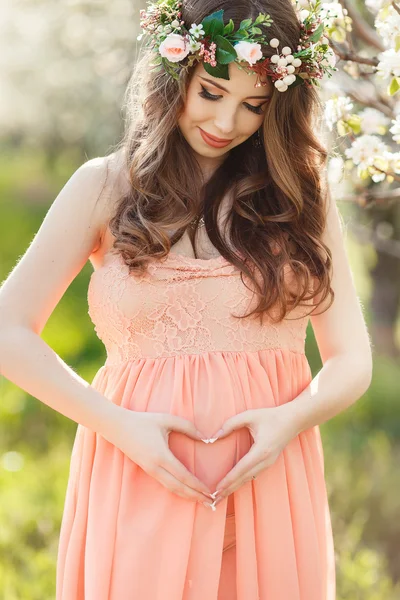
[(67, 237), (342, 338)]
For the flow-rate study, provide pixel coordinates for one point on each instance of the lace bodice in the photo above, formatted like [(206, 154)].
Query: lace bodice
[(183, 305)]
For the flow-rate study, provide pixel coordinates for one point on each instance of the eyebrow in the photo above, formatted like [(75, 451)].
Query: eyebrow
[(225, 90)]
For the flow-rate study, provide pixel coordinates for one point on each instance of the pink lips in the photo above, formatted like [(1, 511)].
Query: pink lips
[(213, 141)]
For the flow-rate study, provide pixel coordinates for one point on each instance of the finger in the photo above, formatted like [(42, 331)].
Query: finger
[(237, 484), (175, 486), (180, 472), (242, 468), (234, 423), (184, 426)]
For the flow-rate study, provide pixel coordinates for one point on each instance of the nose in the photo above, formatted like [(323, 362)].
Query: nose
[(225, 120)]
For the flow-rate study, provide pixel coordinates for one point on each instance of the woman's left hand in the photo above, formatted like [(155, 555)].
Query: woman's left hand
[(272, 429)]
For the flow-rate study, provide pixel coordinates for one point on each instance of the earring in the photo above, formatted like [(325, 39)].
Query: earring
[(257, 142)]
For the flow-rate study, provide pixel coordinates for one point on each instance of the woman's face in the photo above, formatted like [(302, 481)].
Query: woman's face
[(230, 110)]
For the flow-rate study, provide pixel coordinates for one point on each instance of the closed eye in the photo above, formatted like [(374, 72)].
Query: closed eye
[(208, 96)]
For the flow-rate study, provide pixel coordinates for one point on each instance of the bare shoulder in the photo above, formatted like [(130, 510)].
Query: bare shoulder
[(116, 175), (69, 235)]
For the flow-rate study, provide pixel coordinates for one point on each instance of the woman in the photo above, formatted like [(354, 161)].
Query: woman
[(197, 468)]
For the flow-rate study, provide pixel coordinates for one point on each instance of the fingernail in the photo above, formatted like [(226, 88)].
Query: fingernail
[(209, 494), (215, 494), (208, 505)]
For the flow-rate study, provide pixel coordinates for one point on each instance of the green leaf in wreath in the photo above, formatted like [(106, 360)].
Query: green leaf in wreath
[(157, 59), (221, 71), (229, 27), (260, 19), (171, 68), (225, 52), (317, 33), (240, 34), (245, 24), (255, 30), (214, 23)]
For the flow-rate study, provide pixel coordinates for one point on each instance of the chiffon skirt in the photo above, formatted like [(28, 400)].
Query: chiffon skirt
[(124, 536)]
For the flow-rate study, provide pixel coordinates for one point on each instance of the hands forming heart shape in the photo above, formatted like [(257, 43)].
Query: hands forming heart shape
[(271, 429), (143, 437)]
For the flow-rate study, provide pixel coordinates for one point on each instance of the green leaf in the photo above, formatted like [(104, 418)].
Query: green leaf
[(259, 19), (221, 71), (354, 121), (255, 30), (364, 174), (216, 28), (245, 23), (317, 33), (397, 43), (157, 59), (240, 34), (342, 128), (394, 86), (229, 27), (214, 23), (171, 68), (225, 52)]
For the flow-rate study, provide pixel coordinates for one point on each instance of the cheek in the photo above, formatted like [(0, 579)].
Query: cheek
[(197, 110), (249, 124)]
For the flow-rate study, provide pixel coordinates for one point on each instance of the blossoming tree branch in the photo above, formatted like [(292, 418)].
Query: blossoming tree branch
[(368, 57)]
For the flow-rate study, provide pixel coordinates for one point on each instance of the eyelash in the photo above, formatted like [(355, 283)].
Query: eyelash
[(206, 94)]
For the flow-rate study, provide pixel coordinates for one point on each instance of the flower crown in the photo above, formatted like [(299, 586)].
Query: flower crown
[(217, 44)]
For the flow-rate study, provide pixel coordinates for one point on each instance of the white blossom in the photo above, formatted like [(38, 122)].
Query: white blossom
[(375, 5), (395, 129), (389, 64), (336, 109), (331, 12), (335, 169), (365, 150), (394, 161), (391, 164), (304, 14), (372, 121), (387, 24)]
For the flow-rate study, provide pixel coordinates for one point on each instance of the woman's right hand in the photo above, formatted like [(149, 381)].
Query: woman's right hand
[(143, 437)]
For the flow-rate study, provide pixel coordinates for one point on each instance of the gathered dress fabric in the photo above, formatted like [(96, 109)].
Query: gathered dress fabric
[(174, 346)]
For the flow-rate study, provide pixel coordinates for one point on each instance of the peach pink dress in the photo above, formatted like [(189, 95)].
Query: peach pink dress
[(173, 345)]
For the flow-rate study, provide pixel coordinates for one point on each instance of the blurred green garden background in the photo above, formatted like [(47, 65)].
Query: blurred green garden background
[(61, 104)]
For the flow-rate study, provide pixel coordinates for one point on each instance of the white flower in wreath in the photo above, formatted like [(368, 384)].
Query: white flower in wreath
[(174, 47), (194, 45), (197, 30), (248, 51)]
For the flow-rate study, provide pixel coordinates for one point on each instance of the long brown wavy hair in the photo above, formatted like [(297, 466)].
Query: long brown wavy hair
[(278, 212)]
